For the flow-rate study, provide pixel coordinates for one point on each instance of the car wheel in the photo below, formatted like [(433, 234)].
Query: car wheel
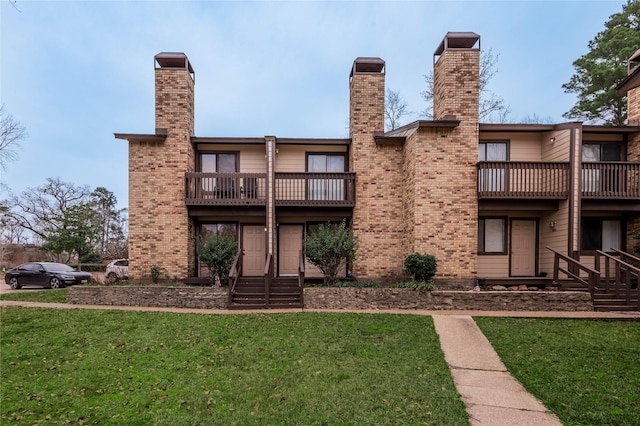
[(112, 277), (55, 283), (13, 283)]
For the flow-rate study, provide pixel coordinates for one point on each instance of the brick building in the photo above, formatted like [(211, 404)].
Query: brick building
[(485, 199)]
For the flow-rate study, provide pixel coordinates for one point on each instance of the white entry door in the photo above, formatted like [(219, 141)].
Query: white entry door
[(523, 248), (254, 250), (290, 244)]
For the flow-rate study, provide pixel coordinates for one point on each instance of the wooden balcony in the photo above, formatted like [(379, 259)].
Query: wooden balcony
[(225, 189), (525, 180), (316, 189), (290, 189), (607, 180)]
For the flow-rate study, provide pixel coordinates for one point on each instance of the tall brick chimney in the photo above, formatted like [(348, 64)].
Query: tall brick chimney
[(158, 217), (175, 81), (456, 77), (377, 217)]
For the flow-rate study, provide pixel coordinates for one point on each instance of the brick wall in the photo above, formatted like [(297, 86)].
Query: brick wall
[(160, 232), (633, 106), (444, 163), (377, 217)]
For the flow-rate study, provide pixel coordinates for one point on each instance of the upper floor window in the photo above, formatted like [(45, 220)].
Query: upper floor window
[(602, 151), (492, 151), (219, 162), (329, 188), (492, 179)]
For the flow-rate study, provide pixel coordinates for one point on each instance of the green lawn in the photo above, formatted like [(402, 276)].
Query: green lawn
[(82, 366), (58, 295), (587, 372)]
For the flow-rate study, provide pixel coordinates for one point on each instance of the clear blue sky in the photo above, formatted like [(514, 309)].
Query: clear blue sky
[(75, 72)]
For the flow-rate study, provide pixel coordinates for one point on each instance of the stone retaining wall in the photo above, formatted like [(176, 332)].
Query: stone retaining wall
[(397, 298), (340, 298), (153, 296)]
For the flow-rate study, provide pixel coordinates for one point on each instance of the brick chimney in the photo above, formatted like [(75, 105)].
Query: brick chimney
[(175, 81), (456, 77), (377, 216), (159, 224)]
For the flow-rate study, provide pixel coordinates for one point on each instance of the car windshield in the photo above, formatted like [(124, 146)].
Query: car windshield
[(57, 267)]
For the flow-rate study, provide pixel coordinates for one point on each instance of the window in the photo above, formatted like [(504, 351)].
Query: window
[(601, 234), (228, 229), (492, 235), (596, 151), (596, 179), (219, 162), (220, 186), (326, 188), (492, 179)]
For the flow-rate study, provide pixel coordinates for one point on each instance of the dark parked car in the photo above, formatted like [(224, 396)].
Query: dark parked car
[(46, 274)]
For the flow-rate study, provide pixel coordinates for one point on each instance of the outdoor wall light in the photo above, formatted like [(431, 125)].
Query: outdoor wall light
[(552, 225), (552, 140)]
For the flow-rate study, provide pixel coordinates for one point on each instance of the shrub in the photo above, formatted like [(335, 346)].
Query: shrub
[(328, 246), (217, 252), (421, 266), (155, 273)]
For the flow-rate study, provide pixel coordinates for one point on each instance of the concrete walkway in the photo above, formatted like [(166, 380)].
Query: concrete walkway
[(491, 395)]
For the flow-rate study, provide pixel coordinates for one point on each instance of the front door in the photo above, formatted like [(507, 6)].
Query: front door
[(253, 249), (290, 244), (523, 248)]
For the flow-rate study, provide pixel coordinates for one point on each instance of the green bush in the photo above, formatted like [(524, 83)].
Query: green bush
[(155, 273), (217, 252), (421, 266), (328, 247)]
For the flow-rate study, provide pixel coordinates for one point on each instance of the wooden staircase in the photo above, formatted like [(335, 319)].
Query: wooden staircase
[(251, 293), (610, 301), (613, 282)]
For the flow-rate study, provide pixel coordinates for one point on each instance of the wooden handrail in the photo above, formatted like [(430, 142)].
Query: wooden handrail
[(268, 267), (621, 280), (315, 189), (612, 179), (593, 275), (234, 274), (627, 257), (301, 277), (523, 179)]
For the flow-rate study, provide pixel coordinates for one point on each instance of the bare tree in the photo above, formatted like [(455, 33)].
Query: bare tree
[(42, 208), (395, 107), (492, 107), (11, 133)]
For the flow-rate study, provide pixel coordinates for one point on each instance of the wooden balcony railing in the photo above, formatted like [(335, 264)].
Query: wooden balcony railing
[(225, 188), (611, 180), (519, 179), (315, 189), (291, 189)]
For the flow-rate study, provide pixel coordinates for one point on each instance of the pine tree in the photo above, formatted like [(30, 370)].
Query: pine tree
[(599, 71)]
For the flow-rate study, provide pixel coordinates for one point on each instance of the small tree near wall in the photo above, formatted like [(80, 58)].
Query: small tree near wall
[(217, 252), (328, 247), (422, 266)]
